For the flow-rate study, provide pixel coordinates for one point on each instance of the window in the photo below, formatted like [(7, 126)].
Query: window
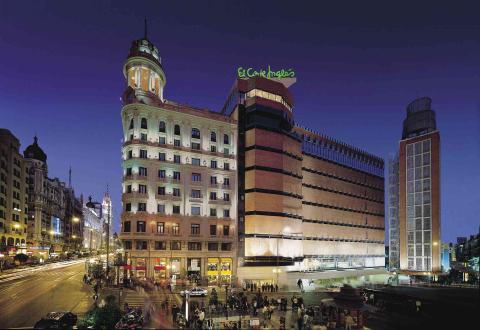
[(213, 180), (213, 164), (213, 196), (226, 213), (140, 226), (226, 151), (129, 189), (194, 246), (176, 143), (161, 208), (143, 137), (142, 189), (162, 127), (226, 166), (129, 171), (197, 177), (176, 192), (162, 174), (226, 139), (130, 154), (159, 245), (213, 230), (195, 133), (226, 230), (142, 207), (126, 227), (162, 156), (162, 140), (142, 171), (196, 161), (196, 193), (226, 197), (161, 191), (176, 245), (213, 137), (213, 148), (141, 245), (176, 130), (212, 246), (127, 245), (175, 229), (161, 227), (195, 229), (195, 146), (176, 209), (213, 212), (131, 137), (226, 246), (143, 153), (131, 124), (144, 123), (128, 207), (226, 182), (195, 210), (176, 159), (176, 175)]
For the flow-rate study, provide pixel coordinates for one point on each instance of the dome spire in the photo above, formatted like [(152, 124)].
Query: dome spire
[(145, 21)]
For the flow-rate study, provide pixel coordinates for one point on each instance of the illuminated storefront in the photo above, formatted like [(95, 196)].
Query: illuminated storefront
[(141, 268), (160, 269), (219, 270)]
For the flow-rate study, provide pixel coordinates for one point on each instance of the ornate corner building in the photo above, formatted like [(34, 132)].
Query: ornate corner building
[(243, 194)]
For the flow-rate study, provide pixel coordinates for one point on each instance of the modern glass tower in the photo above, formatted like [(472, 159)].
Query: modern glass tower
[(419, 190)]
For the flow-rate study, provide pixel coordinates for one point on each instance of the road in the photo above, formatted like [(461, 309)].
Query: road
[(27, 296)]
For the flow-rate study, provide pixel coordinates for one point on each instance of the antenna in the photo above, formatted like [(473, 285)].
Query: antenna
[(70, 177)]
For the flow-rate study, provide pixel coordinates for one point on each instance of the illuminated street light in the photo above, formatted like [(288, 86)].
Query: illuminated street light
[(51, 232), (76, 219), (16, 226), (74, 236)]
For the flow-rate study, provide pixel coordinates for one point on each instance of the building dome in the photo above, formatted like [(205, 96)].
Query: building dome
[(33, 151)]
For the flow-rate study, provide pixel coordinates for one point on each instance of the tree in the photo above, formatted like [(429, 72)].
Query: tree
[(102, 317)]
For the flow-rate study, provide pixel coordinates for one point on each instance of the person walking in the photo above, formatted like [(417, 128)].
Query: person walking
[(349, 322)]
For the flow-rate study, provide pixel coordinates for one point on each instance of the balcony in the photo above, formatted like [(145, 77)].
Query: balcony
[(196, 183), (226, 187), (197, 199), (214, 185), (134, 195), (219, 202), (135, 177)]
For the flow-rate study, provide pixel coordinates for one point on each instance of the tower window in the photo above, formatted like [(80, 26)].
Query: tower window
[(144, 123), (195, 133), (226, 139), (176, 130), (213, 137), (131, 124), (162, 127)]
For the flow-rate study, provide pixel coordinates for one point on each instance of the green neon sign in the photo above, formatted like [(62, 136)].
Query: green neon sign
[(265, 73)]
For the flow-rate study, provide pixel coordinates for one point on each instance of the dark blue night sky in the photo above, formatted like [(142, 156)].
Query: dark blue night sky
[(358, 65)]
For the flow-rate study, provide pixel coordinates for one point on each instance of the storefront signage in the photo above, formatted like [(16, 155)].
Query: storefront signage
[(265, 73)]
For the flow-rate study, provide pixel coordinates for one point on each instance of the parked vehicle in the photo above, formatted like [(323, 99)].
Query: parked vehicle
[(57, 320), (195, 292)]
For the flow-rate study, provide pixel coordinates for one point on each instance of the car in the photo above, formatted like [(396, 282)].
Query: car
[(195, 292), (57, 320)]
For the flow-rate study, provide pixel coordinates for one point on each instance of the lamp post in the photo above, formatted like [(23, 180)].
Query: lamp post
[(74, 220)]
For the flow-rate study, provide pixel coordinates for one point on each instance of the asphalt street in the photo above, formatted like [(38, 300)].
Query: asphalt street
[(34, 293)]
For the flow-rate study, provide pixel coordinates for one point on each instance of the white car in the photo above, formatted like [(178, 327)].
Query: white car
[(195, 292)]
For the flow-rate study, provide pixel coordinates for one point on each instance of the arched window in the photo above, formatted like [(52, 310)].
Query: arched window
[(162, 127), (176, 130), (3, 241), (144, 123), (10, 241), (22, 241), (213, 137), (17, 241), (226, 139), (195, 133), (131, 124)]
